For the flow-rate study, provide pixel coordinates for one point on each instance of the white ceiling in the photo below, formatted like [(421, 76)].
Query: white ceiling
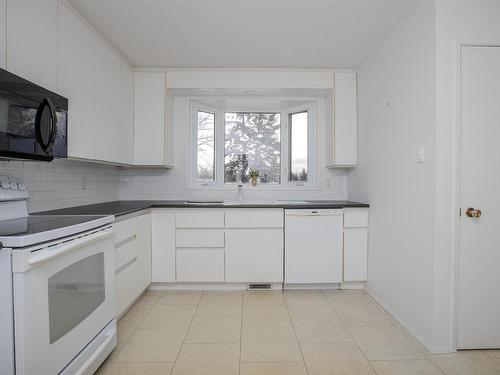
[(244, 33)]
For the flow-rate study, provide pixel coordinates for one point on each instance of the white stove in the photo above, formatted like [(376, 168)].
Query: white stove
[(56, 287)]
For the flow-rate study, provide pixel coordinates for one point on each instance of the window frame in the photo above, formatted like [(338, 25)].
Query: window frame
[(285, 143)]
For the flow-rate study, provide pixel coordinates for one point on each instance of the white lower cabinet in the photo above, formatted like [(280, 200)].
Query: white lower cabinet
[(355, 244), (132, 259), (254, 255), (163, 246), (248, 245), (200, 265)]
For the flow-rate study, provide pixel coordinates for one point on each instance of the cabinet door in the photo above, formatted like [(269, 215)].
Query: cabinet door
[(355, 254), (163, 247), (149, 119), (254, 255), (345, 120), (3, 34), (76, 80), (126, 114), (108, 137), (32, 40), (200, 265)]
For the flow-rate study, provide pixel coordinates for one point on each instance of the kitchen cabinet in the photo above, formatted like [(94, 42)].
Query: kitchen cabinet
[(3, 33), (76, 70), (200, 242), (132, 259), (107, 135), (314, 246), (32, 41), (254, 255), (355, 244), (150, 137), (163, 246), (100, 87), (254, 245), (342, 133)]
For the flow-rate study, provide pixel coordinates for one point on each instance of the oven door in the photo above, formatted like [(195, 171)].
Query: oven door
[(63, 298)]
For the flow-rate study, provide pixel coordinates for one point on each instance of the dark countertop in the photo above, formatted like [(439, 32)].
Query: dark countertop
[(118, 208)]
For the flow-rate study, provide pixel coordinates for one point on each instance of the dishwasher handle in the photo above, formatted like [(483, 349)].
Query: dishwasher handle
[(318, 212)]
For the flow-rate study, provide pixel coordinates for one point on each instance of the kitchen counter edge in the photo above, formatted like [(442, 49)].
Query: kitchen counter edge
[(119, 208)]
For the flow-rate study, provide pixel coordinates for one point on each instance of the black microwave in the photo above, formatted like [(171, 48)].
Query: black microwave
[(33, 120)]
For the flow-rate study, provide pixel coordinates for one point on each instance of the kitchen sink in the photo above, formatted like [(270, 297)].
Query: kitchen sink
[(207, 203)]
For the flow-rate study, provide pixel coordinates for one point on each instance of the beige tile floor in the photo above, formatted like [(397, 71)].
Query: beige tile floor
[(315, 332)]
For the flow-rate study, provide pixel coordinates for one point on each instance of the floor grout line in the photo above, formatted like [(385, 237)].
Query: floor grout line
[(241, 329), (350, 334), (187, 331), (296, 337)]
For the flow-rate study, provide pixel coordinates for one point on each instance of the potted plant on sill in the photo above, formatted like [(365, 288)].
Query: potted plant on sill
[(254, 175)]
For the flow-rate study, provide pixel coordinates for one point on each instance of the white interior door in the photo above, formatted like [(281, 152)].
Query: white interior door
[(479, 258)]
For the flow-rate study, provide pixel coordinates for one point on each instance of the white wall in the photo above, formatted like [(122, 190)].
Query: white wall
[(396, 94), (457, 22), (64, 183), (172, 184)]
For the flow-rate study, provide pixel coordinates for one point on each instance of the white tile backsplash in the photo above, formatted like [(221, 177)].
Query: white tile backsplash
[(64, 183)]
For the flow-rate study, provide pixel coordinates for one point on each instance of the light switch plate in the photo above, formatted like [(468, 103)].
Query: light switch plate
[(421, 155)]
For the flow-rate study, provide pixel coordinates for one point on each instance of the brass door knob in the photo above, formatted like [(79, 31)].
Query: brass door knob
[(472, 212)]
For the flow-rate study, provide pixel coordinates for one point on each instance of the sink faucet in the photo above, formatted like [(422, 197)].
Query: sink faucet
[(239, 184)]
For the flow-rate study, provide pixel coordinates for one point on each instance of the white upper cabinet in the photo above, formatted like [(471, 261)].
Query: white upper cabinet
[(3, 30), (126, 114), (76, 71), (342, 141), (149, 119), (113, 141), (32, 40)]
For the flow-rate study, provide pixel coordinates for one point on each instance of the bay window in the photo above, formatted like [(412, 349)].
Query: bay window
[(227, 145)]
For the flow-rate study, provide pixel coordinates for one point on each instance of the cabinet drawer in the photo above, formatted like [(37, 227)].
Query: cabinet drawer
[(251, 218), (355, 217), (128, 284), (199, 238), (200, 265), (200, 219)]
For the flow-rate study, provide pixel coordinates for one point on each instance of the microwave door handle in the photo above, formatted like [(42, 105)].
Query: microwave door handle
[(47, 147)]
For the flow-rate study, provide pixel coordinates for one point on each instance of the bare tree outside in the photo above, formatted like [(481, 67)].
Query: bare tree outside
[(252, 141), (206, 146)]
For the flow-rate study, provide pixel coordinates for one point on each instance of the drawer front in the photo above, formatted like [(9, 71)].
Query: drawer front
[(254, 218), (199, 238), (200, 265), (199, 219), (355, 217), (126, 250), (128, 284)]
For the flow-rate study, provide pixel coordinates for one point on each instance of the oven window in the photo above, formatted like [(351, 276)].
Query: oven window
[(74, 293)]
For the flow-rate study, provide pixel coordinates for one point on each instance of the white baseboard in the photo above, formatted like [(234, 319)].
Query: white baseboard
[(420, 339), (207, 286)]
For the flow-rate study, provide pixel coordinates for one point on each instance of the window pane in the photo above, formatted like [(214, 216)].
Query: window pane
[(206, 146), (298, 146), (252, 141)]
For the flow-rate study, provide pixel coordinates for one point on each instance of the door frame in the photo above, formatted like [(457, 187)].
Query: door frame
[(457, 193)]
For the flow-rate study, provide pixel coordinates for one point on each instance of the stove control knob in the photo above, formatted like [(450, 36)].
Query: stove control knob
[(13, 185), (21, 186), (5, 184)]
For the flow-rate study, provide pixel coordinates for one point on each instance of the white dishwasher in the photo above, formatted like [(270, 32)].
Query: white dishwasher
[(313, 246)]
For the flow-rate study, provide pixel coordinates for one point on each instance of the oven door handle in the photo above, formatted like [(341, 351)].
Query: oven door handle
[(49, 254)]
